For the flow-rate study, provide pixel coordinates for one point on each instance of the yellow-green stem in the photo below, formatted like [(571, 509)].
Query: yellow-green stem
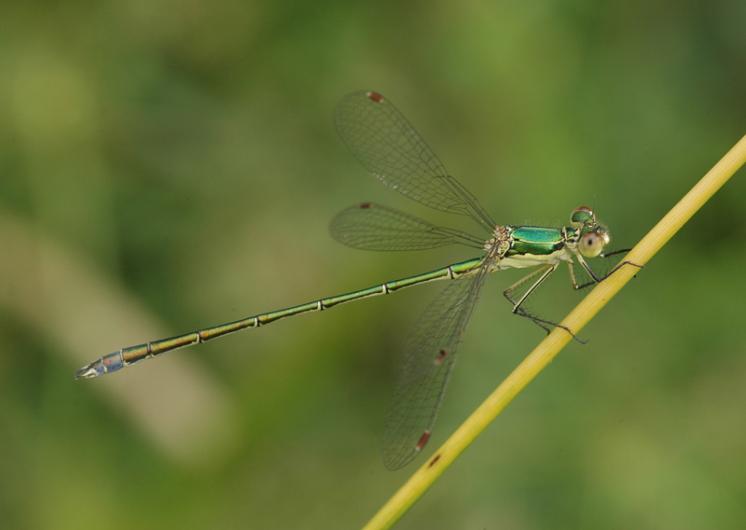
[(547, 349)]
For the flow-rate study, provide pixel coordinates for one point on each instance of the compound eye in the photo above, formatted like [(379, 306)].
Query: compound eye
[(592, 243), (582, 215)]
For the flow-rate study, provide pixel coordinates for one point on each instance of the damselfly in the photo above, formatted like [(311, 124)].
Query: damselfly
[(392, 150)]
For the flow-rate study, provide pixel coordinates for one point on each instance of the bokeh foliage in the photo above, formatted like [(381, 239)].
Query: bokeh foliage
[(166, 165)]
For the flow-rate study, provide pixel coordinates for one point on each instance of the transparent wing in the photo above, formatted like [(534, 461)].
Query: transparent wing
[(430, 355), (370, 226), (390, 148)]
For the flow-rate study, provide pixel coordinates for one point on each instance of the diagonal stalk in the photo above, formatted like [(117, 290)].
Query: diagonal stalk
[(547, 349)]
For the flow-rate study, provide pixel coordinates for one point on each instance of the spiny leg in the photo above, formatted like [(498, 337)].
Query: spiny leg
[(597, 279), (517, 309), (542, 273), (508, 293)]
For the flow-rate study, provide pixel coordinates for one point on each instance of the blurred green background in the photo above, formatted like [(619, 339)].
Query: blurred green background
[(169, 165)]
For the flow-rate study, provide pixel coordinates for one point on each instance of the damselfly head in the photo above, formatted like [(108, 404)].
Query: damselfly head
[(593, 237)]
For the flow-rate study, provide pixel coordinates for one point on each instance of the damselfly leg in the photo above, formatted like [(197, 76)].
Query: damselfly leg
[(538, 276), (594, 277)]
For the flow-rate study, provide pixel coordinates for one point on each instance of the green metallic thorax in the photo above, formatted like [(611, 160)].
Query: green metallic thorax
[(535, 240)]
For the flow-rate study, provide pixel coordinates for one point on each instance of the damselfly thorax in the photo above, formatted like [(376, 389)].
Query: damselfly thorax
[(531, 246)]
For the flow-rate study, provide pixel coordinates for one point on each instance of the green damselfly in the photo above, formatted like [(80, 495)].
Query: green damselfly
[(390, 148)]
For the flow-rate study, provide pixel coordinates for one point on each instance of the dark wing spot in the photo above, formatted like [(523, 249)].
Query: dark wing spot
[(422, 441), (375, 97)]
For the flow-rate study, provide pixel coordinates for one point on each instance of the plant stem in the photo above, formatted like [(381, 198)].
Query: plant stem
[(547, 349)]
